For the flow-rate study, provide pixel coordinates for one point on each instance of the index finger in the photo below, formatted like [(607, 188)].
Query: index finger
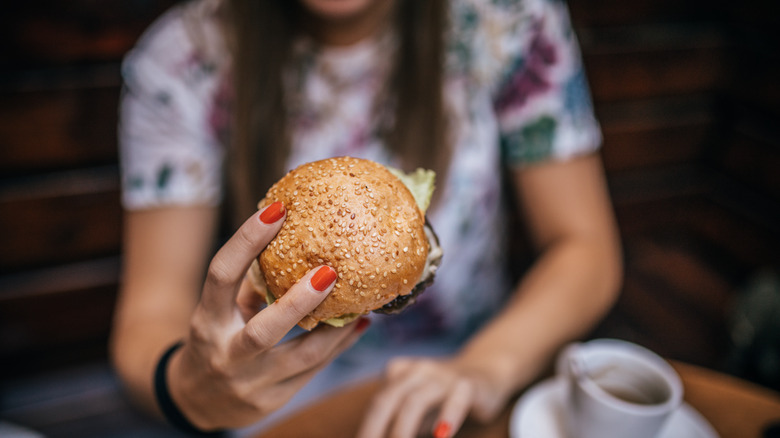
[(227, 268), (270, 325)]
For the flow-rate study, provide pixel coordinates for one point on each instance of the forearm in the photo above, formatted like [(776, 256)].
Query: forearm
[(138, 340), (570, 287), (165, 254)]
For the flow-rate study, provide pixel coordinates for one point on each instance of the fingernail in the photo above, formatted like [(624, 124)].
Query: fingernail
[(442, 430), (362, 324), (323, 278), (273, 213)]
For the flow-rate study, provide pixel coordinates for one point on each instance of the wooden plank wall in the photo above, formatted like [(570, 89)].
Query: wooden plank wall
[(689, 106), (59, 182), (685, 91)]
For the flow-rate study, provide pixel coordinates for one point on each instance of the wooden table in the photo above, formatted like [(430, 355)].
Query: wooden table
[(735, 408)]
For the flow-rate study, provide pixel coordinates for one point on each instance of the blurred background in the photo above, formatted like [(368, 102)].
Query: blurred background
[(688, 97)]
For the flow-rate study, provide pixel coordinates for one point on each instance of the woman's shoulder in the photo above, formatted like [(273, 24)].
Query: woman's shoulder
[(189, 30), (489, 16), (487, 34)]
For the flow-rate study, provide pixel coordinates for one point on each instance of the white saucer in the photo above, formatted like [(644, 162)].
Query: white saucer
[(538, 414)]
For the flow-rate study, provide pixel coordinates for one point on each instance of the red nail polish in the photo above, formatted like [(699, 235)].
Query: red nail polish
[(323, 278), (442, 430), (273, 213), (362, 324)]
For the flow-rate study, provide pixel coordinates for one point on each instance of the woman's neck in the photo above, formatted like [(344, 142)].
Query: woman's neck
[(344, 31)]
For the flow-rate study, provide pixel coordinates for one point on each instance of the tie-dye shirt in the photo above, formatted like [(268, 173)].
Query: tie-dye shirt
[(514, 87)]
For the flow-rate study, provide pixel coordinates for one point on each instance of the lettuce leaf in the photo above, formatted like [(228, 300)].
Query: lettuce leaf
[(421, 183)]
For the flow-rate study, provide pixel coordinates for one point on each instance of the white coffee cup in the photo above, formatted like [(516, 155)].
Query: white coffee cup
[(616, 389)]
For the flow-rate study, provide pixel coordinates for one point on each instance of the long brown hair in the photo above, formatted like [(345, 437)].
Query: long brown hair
[(260, 35)]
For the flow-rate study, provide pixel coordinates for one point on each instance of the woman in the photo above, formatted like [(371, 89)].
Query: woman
[(471, 88)]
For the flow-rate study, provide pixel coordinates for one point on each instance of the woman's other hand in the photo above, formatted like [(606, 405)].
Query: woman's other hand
[(429, 397)]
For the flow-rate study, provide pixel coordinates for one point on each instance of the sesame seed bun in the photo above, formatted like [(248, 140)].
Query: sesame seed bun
[(354, 216)]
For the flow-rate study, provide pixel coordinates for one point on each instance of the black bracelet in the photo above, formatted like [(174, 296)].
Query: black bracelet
[(167, 406)]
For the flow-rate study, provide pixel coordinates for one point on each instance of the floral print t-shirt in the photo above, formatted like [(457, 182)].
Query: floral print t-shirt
[(516, 95)]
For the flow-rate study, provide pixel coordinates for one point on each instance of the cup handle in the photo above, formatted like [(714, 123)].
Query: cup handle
[(568, 364)]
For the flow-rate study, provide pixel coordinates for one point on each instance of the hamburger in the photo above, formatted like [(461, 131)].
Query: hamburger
[(364, 220)]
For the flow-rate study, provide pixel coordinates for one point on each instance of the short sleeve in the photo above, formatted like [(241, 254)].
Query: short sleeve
[(169, 151), (542, 102)]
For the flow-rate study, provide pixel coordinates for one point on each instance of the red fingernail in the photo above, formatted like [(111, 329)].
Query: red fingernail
[(323, 278), (273, 213), (442, 430), (362, 325)]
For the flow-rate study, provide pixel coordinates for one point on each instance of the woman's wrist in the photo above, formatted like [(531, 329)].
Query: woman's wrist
[(506, 369), (165, 401)]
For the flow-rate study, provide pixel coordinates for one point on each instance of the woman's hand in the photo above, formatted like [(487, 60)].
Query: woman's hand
[(431, 397), (231, 372)]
